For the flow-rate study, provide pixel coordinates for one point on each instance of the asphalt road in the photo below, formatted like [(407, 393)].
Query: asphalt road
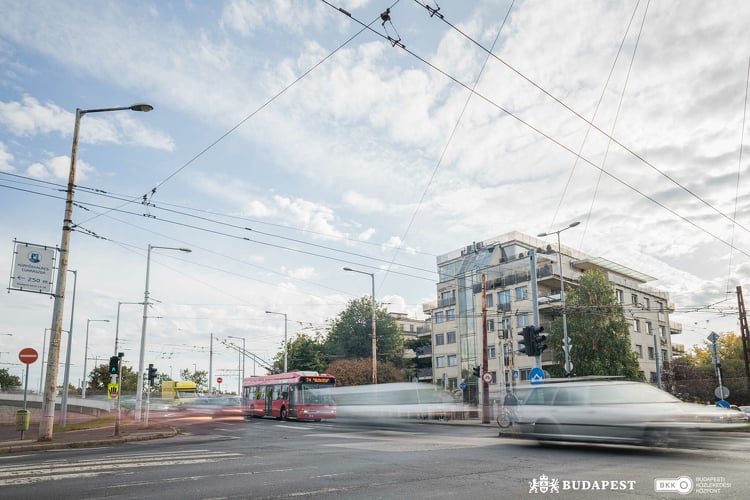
[(273, 459)]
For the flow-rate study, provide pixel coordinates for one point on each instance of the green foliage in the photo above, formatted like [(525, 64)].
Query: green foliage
[(200, 378), (694, 377), (304, 354), (7, 380), (350, 335), (598, 332)]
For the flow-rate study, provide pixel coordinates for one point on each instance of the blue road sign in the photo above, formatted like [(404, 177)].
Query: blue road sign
[(536, 375), (462, 386), (722, 403)]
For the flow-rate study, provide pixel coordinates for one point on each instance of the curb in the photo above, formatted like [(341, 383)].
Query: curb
[(39, 446)]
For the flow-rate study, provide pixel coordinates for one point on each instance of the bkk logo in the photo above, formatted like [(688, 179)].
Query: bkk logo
[(545, 484)]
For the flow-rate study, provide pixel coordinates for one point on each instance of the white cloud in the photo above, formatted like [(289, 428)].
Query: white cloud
[(58, 168), (366, 235), (303, 273), (5, 159), (308, 215)]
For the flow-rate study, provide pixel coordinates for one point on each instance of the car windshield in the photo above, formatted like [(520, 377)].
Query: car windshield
[(628, 393)]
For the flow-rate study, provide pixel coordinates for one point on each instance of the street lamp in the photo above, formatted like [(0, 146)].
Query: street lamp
[(566, 342), (285, 346), (53, 358), (139, 387), (117, 324), (242, 365), (374, 332), (86, 354)]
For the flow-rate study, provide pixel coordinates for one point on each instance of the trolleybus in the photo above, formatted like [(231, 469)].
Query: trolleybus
[(301, 395)]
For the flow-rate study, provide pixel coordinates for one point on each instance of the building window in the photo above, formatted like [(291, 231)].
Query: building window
[(636, 325), (662, 331), (447, 298), (522, 320), (619, 295), (440, 361), (639, 350), (440, 317), (491, 352), (450, 314), (452, 383), (451, 337), (452, 360), (522, 293), (503, 300), (646, 303), (489, 297), (649, 331), (439, 338), (507, 323), (634, 299), (664, 355), (494, 377), (650, 353), (490, 325)]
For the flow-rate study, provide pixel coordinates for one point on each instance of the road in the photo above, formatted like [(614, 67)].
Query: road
[(273, 459)]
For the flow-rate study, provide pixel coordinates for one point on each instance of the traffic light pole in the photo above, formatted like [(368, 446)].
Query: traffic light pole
[(534, 304), (485, 384)]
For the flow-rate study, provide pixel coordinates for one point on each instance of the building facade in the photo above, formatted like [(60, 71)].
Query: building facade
[(509, 286)]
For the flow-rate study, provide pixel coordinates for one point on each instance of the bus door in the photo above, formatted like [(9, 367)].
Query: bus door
[(293, 400), (269, 400)]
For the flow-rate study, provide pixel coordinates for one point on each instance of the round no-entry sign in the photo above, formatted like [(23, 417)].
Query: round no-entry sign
[(28, 355), (219, 380)]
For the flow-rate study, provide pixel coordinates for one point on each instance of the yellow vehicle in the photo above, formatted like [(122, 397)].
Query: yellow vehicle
[(178, 392)]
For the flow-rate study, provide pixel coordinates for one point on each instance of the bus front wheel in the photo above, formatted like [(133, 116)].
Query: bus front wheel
[(282, 414)]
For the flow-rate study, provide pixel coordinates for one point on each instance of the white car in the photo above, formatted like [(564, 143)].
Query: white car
[(614, 412)]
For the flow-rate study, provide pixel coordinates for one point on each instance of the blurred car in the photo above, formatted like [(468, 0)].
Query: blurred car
[(615, 412), (214, 407), (745, 409)]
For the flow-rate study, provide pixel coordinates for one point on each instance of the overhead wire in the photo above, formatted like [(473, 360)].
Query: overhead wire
[(566, 148), (581, 117)]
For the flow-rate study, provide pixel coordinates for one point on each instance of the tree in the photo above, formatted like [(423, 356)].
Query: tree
[(304, 354), (7, 380), (350, 335), (359, 372), (200, 378), (420, 361), (597, 330), (703, 370), (98, 379)]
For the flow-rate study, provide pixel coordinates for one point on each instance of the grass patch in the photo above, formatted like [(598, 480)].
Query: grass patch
[(102, 421)]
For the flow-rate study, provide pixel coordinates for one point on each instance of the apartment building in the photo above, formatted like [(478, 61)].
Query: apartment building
[(414, 329), (504, 261)]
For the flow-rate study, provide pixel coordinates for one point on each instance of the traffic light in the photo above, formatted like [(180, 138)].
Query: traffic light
[(477, 371), (114, 365), (151, 374), (538, 340), (525, 345)]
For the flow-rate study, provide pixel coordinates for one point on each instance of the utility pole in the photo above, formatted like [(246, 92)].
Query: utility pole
[(485, 384)]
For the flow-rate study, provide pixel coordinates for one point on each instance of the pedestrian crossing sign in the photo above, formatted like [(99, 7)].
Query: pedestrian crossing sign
[(113, 391)]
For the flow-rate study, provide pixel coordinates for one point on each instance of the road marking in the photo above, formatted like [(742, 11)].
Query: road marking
[(54, 470)]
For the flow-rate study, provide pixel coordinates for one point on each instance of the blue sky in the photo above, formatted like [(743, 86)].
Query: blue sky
[(377, 158)]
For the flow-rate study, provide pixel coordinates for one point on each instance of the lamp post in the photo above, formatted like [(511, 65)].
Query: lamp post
[(286, 349), (53, 357), (241, 366), (66, 376), (139, 387), (374, 330), (117, 323), (566, 342), (86, 354)]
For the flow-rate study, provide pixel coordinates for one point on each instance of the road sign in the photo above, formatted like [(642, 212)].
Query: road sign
[(713, 337), (536, 375), (113, 391), (487, 377), (28, 355), (721, 392), (219, 380), (723, 404), (462, 386), (515, 373)]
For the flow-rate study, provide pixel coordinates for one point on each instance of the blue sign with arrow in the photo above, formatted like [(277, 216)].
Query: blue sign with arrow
[(536, 376)]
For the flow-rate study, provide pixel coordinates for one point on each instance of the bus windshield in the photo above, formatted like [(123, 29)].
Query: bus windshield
[(316, 394)]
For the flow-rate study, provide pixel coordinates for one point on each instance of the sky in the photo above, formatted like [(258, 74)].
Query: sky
[(292, 138)]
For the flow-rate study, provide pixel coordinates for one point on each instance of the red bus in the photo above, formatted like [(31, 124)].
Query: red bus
[(300, 395)]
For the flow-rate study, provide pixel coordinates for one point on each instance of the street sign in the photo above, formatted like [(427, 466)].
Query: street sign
[(536, 375), (515, 373), (219, 380), (723, 404), (713, 337), (28, 355), (113, 391), (721, 392), (487, 377), (462, 386)]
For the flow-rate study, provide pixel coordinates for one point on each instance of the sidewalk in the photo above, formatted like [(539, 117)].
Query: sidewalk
[(100, 433)]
